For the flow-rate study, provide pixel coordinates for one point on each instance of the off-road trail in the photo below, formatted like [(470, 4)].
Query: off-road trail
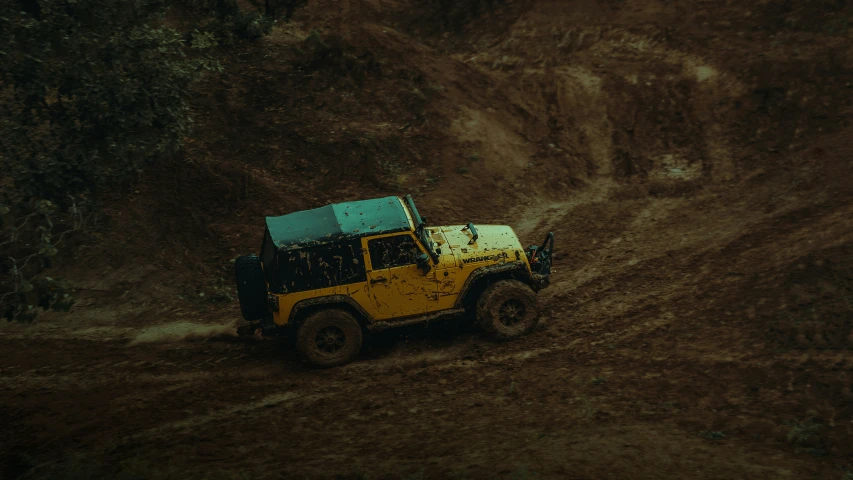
[(692, 159)]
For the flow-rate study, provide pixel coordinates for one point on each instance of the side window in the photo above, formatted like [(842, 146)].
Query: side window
[(320, 267), (391, 252)]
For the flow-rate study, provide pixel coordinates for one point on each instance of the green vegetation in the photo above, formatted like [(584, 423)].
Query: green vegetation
[(712, 435), (225, 21), (524, 473), (90, 93), (29, 242), (273, 8), (802, 434), (587, 409), (455, 14), (419, 475), (808, 436)]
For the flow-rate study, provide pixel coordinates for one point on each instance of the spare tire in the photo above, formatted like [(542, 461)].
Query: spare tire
[(251, 287)]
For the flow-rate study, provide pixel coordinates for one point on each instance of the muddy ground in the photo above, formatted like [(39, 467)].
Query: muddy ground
[(692, 158)]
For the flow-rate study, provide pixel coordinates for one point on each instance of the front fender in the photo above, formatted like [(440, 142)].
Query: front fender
[(518, 267)]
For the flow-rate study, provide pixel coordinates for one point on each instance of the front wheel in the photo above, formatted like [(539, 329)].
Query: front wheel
[(329, 338), (508, 309)]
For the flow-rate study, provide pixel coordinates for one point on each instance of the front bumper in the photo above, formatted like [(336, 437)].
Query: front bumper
[(539, 281)]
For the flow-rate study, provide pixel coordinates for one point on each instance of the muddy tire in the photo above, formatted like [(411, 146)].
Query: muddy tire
[(251, 288), (329, 337), (508, 309)]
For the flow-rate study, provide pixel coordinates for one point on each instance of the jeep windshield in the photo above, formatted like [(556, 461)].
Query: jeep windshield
[(420, 228)]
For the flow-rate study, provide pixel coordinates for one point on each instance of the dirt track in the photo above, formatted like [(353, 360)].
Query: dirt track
[(699, 324), (627, 373)]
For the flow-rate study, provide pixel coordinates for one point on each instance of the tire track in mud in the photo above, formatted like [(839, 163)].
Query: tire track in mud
[(224, 415), (106, 367), (149, 362)]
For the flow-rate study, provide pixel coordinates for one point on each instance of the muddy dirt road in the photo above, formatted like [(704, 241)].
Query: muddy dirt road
[(647, 365)]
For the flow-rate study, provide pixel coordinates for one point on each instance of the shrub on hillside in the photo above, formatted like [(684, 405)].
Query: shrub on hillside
[(212, 8), (30, 238), (226, 21), (275, 8), (240, 26), (454, 14), (90, 92)]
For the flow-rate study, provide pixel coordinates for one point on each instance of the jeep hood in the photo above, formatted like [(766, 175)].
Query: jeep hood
[(495, 243)]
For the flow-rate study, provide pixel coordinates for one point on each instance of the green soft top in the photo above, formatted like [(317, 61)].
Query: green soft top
[(337, 222)]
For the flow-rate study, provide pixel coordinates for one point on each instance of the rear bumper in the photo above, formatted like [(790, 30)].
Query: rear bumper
[(272, 302)]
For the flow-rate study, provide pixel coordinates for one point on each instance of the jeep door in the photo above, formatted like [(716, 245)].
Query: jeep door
[(396, 285)]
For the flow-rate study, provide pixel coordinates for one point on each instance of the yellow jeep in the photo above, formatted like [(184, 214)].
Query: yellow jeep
[(333, 273)]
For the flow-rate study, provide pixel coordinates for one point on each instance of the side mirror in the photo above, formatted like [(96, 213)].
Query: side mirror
[(423, 263)]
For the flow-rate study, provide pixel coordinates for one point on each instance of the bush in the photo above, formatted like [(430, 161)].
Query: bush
[(90, 92), (251, 25), (213, 8), (274, 8), (455, 14), (241, 26), (29, 242)]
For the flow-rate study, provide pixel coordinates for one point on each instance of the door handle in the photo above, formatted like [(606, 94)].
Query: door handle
[(378, 280)]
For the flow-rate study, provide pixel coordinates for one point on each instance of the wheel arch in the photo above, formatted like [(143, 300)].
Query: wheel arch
[(482, 277), (308, 306)]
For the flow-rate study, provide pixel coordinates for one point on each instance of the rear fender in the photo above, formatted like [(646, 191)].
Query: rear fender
[(302, 308)]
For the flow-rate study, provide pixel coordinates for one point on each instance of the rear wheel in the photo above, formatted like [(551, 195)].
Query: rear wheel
[(251, 287), (508, 309), (329, 337)]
